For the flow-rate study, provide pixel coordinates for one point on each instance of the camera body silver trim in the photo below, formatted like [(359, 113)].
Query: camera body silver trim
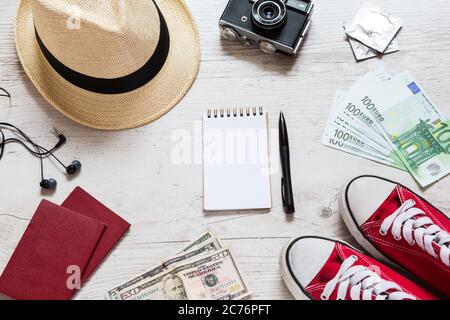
[(246, 36)]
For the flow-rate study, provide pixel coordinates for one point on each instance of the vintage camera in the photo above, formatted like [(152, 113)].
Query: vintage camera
[(271, 24)]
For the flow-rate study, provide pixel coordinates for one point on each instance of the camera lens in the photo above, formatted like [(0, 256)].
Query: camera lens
[(269, 14), (268, 11)]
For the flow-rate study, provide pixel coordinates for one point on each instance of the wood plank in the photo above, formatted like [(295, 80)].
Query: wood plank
[(133, 172)]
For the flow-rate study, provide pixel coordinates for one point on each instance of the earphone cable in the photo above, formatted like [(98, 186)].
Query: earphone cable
[(5, 93), (37, 152), (40, 151), (29, 140), (2, 145), (35, 149)]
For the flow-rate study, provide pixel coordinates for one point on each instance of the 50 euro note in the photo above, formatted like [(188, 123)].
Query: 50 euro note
[(207, 242), (215, 276)]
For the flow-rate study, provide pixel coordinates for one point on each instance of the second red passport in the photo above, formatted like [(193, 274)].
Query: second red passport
[(79, 234), (85, 204)]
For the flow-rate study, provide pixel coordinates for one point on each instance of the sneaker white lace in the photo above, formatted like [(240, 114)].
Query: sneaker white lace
[(362, 279), (413, 224)]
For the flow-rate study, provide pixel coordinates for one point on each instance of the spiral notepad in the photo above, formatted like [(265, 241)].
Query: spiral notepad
[(236, 160)]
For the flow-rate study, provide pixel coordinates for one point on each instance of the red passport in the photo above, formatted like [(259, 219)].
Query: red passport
[(85, 204), (79, 233), (56, 239)]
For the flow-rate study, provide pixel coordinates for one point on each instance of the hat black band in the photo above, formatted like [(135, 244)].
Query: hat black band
[(124, 84)]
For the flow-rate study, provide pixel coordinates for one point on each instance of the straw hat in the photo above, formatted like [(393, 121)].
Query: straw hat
[(109, 64)]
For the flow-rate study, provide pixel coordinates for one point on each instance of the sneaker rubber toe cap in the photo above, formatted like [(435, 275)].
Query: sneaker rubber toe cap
[(364, 195), (307, 256)]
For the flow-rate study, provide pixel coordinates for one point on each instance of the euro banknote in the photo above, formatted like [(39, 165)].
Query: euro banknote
[(346, 134), (391, 120), (411, 123), (418, 132)]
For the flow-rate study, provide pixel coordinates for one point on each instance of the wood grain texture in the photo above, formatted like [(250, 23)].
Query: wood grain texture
[(132, 171)]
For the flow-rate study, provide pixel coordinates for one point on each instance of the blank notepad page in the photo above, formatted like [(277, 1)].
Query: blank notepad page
[(236, 160)]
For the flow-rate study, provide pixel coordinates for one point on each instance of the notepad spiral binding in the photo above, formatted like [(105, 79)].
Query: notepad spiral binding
[(235, 112)]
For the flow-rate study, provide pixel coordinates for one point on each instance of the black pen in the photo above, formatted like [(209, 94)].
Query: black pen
[(286, 181)]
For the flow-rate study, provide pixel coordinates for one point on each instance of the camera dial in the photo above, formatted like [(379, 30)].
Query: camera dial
[(267, 47), (269, 14), (228, 33)]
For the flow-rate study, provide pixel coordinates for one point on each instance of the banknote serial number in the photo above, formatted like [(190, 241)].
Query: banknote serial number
[(226, 310)]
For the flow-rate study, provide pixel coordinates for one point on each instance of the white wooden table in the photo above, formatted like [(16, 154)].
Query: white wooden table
[(132, 172)]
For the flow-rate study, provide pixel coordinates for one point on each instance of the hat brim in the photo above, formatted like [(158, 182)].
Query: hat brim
[(116, 111)]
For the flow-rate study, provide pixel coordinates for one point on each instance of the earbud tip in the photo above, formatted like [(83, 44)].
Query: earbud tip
[(74, 167), (49, 184), (77, 164)]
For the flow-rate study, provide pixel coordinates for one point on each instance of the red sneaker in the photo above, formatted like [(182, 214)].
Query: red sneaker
[(316, 268), (397, 226)]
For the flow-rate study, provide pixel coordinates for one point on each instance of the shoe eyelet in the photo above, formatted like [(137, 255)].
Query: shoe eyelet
[(354, 257), (323, 297), (382, 232), (412, 243), (398, 238)]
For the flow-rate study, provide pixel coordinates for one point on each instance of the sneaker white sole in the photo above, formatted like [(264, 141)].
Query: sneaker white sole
[(287, 277), (289, 280), (356, 233)]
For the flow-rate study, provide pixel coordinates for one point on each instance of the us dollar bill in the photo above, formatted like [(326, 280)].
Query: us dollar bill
[(215, 276), (208, 235), (207, 242)]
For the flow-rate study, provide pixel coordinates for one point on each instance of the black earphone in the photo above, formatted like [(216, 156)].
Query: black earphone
[(39, 151)]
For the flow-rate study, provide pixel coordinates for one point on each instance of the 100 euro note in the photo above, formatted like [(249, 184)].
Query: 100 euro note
[(362, 109), (349, 138), (421, 138), (207, 242), (215, 276), (351, 110), (350, 131), (415, 128)]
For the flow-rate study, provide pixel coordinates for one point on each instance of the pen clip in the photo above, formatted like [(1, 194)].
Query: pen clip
[(282, 191)]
